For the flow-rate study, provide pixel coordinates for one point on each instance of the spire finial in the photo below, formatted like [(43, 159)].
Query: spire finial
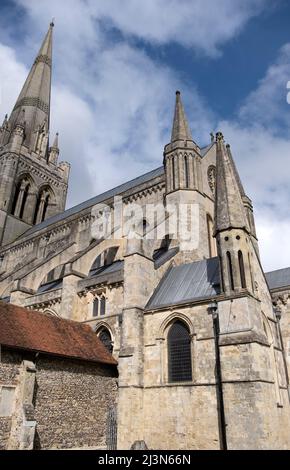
[(52, 22), (219, 137)]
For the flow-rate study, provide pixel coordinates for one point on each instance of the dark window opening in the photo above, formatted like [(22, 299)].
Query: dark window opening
[(144, 226), (106, 339), (36, 210), (45, 207), (173, 173), (16, 196), (186, 170), (96, 308), (24, 199), (222, 274), (242, 270), (103, 306), (179, 353), (230, 271)]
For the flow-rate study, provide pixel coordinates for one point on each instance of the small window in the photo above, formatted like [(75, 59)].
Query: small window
[(103, 306), (230, 271), (106, 339), (179, 353), (173, 173), (96, 308), (186, 171), (242, 270)]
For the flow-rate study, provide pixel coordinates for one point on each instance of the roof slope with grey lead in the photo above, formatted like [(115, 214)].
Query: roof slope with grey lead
[(96, 200), (279, 278), (188, 282)]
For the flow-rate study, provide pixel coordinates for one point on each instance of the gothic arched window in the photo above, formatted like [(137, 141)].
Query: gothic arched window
[(24, 199), (106, 339), (41, 207), (20, 198), (16, 196), (45, 206), (179, 353)]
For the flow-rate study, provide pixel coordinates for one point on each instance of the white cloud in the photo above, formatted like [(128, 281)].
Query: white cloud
[(274, 236), (261, 146), (12, 77), (113, 105), (267, 105), (204, 25)]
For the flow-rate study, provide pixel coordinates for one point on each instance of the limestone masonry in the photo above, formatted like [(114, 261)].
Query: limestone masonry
[(200, 333)]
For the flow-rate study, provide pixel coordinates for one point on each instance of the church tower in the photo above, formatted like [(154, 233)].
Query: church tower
[(33, 185), (252, 369), (183, 166)]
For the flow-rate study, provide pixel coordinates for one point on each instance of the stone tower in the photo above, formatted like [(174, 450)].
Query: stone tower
[(33, 185), (185, 187), (253, 372)]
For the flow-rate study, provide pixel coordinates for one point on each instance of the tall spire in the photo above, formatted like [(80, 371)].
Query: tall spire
[(180, 129), (35, 94), (229, 210)]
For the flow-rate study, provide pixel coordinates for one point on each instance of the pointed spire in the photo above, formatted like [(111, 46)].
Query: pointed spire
[(180, 129), (35, 95), (237, 176), (229, 207)]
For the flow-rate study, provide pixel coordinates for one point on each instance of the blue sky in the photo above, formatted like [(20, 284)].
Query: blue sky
[(117, 64)]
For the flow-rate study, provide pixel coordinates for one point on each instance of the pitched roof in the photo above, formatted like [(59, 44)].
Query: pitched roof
[(278, 279), (96, 200), (187, 282), (33, 331)]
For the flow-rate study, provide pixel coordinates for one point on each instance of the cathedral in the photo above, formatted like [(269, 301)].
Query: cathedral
[(199, 332)]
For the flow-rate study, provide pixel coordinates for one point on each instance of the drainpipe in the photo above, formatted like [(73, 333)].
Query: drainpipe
[(278, 314), (213, 310)]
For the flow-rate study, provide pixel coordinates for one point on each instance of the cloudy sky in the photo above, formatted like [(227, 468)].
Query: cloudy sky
[(117, 64)]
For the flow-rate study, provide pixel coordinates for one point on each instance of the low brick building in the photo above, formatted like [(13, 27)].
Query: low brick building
[(58, 382)]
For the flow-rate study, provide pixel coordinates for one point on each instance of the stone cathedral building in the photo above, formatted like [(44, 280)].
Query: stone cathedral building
[(201, 334)]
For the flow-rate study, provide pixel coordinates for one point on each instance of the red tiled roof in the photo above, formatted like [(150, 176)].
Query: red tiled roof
[(30, 330)]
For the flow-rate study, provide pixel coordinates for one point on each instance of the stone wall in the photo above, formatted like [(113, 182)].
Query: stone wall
[(10, 368), (70, 403)]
